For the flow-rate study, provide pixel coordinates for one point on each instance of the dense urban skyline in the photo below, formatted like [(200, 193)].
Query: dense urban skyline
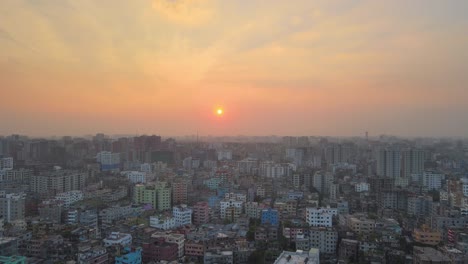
[(335, 68)]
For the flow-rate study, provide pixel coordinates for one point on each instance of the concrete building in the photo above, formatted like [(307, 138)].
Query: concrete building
[(325, 239), (163, 222), (236, 208), (224, 154), (164, 196), (266, 232), (70, 197), (51, 211), (273, 170), (117, 238), (12, 206), (320, 216), (311, 257), (145, 195), (432, 180), (22, 176), (96, 255), (194, 248), (182, 215), (321, 181), (72, 217), (389, 163), (428, 255), (136, 176), (179, 192), (361, 224), (412, 162), (58, 181), (419, 205), (6, 163), (218, 257), (159, 250), (246, 166), (270, 216), (361, 187), (427, 236), (109, 161), (348, 249), (178, 239), (201, 213), (252, 210), (114, 213)]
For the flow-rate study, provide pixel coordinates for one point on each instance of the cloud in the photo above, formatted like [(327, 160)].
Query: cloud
[(186, 12)]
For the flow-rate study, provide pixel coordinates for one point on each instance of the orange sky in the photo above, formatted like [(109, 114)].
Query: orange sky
[(302, 68)]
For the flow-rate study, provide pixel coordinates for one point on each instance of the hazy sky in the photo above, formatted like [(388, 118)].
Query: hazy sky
[(277, 67)]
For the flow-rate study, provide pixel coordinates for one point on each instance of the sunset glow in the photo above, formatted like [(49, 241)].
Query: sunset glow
[(308, 68)]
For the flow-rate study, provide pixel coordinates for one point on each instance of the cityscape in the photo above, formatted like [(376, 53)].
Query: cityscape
[(233, 132), (148, 199)]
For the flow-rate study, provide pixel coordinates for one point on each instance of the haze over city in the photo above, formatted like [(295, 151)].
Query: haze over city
[(286, 68)]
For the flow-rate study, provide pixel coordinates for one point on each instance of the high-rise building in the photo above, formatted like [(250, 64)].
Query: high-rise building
[(109, 161), (201, 213), (164, 196), (412, 162), (338, 153), (321, 181), (389, 163), (179, 192)]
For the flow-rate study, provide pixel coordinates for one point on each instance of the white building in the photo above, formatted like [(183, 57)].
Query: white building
[(117, 238), (361, 187), (310, 257), (224, 155), (162, 222), (70, 197), (432, 180), (465, 189), (146, 167), (182, 215), (320, 216), (235, 196), (272, 170), (225, 204), (136, 176), (12, 206)]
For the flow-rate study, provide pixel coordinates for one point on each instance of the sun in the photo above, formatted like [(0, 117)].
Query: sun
[(219, 111)]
